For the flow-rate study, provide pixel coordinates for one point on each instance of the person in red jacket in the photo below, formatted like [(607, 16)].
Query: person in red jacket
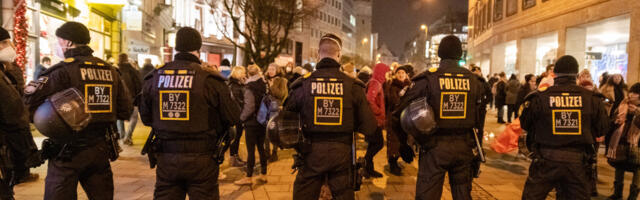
[(375, 96)]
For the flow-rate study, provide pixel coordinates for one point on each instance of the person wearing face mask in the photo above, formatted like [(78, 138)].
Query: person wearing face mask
[(46, 63), (623, 150), (80, 156), (14, 122)]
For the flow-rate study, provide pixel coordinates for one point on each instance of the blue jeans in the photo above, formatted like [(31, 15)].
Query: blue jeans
[(133, 120)]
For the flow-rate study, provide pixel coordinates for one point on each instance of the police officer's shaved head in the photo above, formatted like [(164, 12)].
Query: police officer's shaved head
[(330, 47)]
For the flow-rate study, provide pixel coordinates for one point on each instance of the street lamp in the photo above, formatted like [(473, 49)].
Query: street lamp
[(425, 28)]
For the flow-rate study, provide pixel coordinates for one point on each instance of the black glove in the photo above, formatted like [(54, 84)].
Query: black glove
[(407, 153)]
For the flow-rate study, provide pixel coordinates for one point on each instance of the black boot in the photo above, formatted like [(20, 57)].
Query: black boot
[(617, 191), (633, 192)]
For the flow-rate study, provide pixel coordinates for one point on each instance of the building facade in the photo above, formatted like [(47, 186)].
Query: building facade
[(43, 17), (524, 36), (366, 44)]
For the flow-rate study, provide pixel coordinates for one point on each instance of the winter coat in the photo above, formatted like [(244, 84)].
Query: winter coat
[(375, 93), (146, 69), (524, 91), (513, 87), (131, 78), (393, 91), (278, 88), (237, 90), (501, 94), (254, 91), (364, 77), (609, 92)]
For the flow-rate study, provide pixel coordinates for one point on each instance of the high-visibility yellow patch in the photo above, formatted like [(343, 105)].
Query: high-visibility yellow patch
[(307, 75), (100, 64), (327, 111), (433, 69), (174, 105), (566, 122), (453, 105), (88, 63), (98, 98), (68, 60)]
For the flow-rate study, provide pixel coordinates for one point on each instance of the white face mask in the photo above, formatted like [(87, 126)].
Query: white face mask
[(58, 51), (8, 54)]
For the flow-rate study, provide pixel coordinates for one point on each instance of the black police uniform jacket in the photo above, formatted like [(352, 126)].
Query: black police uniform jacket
[(183, 99), (454, 93), (331, 104), (564, 115), (105, 95)]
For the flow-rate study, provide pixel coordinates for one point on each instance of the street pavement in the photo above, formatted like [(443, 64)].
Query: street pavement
[(502, 177)]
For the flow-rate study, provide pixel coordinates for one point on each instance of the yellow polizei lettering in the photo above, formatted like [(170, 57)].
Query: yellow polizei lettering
[(565, 101), (323, 88), (454, 84)]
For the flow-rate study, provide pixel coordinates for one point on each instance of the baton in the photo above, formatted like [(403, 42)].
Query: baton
[(479, 146)]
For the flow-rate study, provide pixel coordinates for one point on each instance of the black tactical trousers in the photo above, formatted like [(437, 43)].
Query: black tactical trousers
[(179, 174), (450, 154), (6, 192), (570, 179), (374, 145), (89, 166), (327, 159)]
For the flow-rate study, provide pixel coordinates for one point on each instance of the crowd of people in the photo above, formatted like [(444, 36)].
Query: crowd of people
[(621, 102), (237, 99)]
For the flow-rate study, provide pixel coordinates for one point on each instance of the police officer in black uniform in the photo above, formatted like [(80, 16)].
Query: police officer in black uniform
[(562, 122), (85, 155), (454, 93), (332, 106), (188, 107)]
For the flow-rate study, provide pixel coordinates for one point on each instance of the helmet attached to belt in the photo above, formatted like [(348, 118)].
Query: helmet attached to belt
[(62, 114), (284, 129), (418, 119)]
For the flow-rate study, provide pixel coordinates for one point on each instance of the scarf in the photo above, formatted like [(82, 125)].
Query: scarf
[(633, 133)]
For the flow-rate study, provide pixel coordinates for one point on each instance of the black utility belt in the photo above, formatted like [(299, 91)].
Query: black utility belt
[(186, 146), (561, 155)]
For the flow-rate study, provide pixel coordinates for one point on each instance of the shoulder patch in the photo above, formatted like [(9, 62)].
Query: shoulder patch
[(542, 88), (433, 69), (69, 60)]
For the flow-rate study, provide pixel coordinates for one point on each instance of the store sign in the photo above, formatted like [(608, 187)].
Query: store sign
[(132, 18), (54, 6), (136, 47)]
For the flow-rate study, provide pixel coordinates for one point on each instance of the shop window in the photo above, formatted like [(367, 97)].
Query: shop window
[(512, 7), (526, 4), (498, 10)]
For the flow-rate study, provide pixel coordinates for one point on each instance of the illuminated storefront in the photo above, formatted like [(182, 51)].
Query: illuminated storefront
[(599, 34), (45, 16)]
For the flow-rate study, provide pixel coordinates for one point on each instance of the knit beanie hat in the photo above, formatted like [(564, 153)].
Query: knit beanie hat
[(188, 39), (74, 32), (4, 34), (566, 66), (403, 68), (450, 48)]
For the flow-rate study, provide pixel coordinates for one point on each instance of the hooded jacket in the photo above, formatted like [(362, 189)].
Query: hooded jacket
[(375, 92)]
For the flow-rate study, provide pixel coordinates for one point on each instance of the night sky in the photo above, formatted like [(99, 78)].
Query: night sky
[(397, 21)]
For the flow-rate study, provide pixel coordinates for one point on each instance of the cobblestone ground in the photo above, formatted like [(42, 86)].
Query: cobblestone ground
[(502, 177)]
